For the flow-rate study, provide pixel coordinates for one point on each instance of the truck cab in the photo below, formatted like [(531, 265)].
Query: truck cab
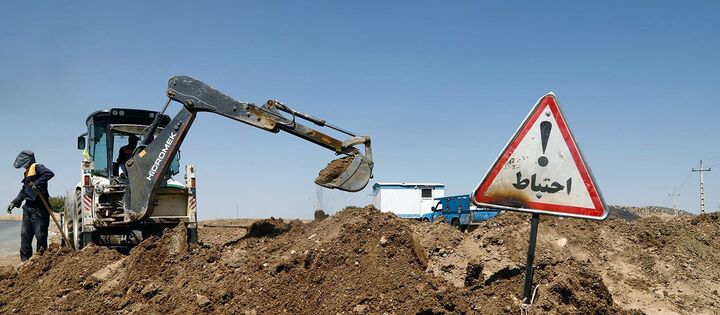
[(458, 212), (94, 208)]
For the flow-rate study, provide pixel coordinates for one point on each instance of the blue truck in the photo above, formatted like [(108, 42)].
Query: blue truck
[(456, 211)]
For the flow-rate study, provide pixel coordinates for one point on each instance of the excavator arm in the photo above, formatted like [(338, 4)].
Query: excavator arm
[(150, 161)]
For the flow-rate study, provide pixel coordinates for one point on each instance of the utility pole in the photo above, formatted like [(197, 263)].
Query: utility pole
[(674, 198), (702, 186)]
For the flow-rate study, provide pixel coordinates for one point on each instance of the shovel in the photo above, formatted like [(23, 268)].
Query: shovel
[(52, 215), (350, 173)]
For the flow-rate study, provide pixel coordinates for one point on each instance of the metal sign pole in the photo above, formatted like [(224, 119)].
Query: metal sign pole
[(527, 292)]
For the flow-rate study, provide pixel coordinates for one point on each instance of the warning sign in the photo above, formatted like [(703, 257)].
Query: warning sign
[(542, 170)]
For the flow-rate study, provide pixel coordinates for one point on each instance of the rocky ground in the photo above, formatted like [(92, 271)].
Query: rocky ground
[(362, 261)]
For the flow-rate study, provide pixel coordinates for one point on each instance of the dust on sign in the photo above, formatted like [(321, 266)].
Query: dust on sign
[(541, 170)]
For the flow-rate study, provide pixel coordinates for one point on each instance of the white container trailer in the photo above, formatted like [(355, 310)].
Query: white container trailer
[(407, 200)]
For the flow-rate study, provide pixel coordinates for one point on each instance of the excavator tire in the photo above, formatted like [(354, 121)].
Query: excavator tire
[(85, 240)]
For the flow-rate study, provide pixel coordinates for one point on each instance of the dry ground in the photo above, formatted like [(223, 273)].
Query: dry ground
[(362, 261)]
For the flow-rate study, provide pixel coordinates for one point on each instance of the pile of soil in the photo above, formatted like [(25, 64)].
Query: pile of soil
[(333, 170), (267, 228), (363, 261), (652, 265), (359, 261)]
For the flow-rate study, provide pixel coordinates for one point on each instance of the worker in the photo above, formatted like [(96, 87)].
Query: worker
[(126, 152), (36, 217)]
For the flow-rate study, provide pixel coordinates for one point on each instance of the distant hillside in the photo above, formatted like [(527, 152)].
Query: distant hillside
[(633, 213), (11, 217), (619, 212)]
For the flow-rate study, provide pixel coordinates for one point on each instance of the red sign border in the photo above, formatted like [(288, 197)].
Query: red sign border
[(599, 212)]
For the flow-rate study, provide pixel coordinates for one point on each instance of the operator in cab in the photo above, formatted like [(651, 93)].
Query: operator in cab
[(36, 218), (126, 152)]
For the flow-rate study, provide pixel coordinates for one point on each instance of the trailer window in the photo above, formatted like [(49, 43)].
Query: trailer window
[(426, 192)]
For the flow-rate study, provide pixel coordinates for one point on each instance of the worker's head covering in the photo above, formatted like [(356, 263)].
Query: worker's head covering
[(24, 159), (133, 139)]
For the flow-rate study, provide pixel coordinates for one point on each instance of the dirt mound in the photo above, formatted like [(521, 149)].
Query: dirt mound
[(567, 287), (268, 227), (708, 218), (363, 261), (651, 264), (360, 261), (57, 281), (579, 291)]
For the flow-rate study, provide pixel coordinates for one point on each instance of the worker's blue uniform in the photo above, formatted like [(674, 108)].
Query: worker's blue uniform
[(36, 218)]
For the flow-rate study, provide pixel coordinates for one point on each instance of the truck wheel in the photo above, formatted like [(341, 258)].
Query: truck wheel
[(192, 235), (455, 223)]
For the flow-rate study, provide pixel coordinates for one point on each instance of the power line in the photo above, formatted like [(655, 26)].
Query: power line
[(684, 182), (674, 198), (679, 189)]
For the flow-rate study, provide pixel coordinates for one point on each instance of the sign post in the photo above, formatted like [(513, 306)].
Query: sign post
[(527, 290), (541, 171)]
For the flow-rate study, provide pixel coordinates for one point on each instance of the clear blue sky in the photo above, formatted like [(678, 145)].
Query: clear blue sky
[(440, 87)]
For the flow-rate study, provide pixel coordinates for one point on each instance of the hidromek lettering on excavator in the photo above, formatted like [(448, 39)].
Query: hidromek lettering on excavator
[(161, 156)]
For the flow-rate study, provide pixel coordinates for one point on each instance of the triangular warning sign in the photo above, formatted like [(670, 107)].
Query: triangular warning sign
[(541, 170)]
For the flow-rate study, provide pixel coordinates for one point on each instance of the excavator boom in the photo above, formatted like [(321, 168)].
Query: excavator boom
[(150, 161)]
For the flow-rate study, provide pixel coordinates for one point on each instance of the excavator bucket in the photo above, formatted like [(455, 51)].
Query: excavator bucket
[(349, 173)]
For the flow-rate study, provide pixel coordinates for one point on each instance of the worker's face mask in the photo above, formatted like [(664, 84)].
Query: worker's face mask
[(24, 159)]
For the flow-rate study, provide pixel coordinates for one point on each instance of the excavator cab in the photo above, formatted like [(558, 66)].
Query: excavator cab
[(109, 134)]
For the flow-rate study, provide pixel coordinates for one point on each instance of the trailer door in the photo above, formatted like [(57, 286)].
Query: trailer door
[(426, 200)]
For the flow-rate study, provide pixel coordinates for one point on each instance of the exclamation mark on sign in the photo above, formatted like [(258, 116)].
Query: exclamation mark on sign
[(545, 128)]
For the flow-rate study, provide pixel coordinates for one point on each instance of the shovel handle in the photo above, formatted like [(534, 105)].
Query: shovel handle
[(52, 215)]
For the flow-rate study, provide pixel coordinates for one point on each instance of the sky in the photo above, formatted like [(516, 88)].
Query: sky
[(440, 87)]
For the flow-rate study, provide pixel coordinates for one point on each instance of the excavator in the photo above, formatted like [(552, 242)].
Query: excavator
[(120, 205)]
